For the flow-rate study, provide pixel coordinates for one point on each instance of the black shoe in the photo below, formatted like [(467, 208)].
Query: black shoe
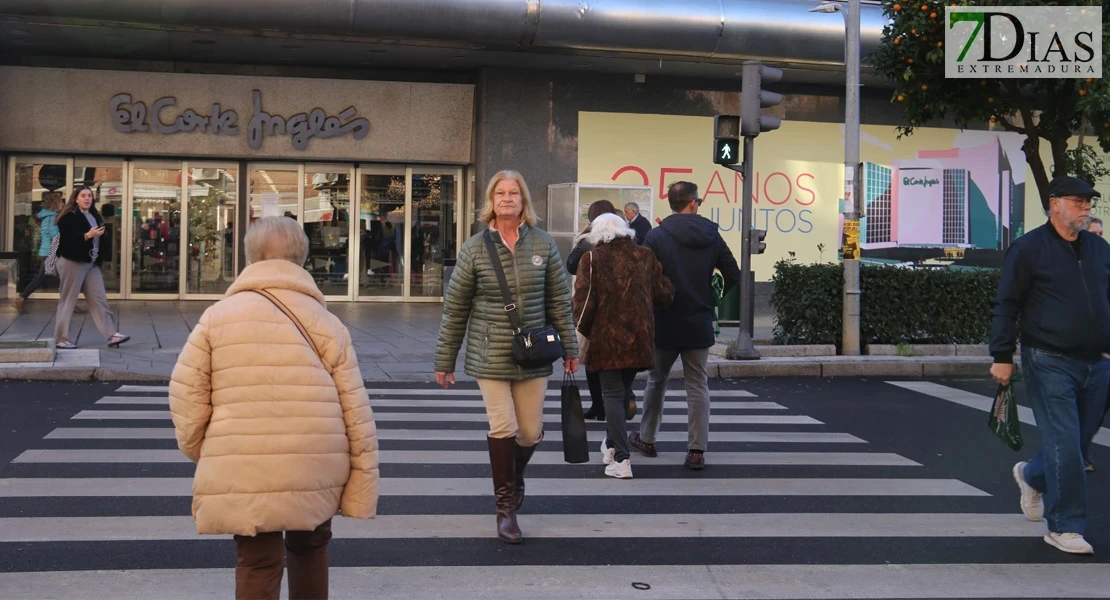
[(597, 411)]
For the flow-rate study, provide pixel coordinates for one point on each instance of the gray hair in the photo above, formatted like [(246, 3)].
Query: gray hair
[(606, 228), (632, 206), (280, 238)]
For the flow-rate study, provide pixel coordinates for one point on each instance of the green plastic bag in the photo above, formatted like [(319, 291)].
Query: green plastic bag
[(1004, 421)]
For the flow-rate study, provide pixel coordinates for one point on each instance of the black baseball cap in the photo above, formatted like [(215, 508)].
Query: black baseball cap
[(1071, 186)]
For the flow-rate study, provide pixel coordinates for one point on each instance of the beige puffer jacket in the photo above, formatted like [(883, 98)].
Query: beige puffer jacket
[(279, 443)]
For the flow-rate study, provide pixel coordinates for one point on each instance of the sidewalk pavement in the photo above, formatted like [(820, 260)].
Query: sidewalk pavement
[(393, 342)]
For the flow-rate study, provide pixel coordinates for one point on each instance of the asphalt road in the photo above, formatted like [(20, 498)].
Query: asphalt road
[(836, 488)]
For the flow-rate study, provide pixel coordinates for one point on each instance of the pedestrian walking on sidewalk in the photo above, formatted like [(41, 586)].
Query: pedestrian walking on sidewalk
[(1056, 278), (79, 231), (268, 400), (513, 396), (597, 403), (48, 228), (618, 284), (690, 248)]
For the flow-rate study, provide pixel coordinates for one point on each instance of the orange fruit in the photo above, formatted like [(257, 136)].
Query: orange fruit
[(897, 7), (901, 98), (940, 44)]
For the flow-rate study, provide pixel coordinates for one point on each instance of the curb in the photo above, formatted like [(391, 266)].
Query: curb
[(816, 366)]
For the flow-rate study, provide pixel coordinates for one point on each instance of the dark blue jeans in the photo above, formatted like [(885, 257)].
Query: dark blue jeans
[(1068, 397)]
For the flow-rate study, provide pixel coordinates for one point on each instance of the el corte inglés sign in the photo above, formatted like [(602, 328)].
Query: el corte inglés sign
[(129, 116)]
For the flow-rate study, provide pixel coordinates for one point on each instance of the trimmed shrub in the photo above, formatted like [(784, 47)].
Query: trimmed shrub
[(898, 305)]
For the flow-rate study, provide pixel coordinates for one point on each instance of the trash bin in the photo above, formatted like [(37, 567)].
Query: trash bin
[(448, 268), (729, 312)]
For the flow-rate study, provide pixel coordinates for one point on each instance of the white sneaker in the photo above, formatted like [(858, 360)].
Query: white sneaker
[(607, 453), (620, 470), (1031, 504), (1072, 543)]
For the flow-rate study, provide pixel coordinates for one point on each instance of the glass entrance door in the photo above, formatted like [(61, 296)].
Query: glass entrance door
[(211, 251), (408, 231), (381, 233), (436, 194), (156, 252), (106, 181), (39, 188), (325, 216)]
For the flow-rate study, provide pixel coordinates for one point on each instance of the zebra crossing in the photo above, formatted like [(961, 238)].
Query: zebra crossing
[(787, 507)]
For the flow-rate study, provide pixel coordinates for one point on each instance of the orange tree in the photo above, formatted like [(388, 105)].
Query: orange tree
[(911, 56)]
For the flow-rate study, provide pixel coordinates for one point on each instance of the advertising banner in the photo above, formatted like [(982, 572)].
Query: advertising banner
[(941, 197)]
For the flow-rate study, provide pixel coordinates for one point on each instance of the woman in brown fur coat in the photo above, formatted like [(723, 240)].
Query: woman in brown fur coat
[(617, 286)]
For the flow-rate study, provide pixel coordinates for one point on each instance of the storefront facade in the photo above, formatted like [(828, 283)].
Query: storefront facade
[(180, 164)]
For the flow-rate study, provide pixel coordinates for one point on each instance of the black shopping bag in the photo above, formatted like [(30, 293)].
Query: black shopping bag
[(575, 445), (1003, 420)]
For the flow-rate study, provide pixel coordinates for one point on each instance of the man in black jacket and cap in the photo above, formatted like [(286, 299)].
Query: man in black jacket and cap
[(689, 247), (1057, 279)]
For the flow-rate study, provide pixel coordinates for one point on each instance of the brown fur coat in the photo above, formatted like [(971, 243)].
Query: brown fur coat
[(622, 282)]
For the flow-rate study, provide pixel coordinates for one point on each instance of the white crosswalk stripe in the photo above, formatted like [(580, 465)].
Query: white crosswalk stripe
[(772, 474)]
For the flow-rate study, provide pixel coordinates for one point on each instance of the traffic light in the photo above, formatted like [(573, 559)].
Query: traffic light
[(726, 139), (755, 98), (758, 245)]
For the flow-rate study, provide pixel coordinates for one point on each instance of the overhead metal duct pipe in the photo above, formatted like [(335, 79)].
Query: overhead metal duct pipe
[(770, 30)]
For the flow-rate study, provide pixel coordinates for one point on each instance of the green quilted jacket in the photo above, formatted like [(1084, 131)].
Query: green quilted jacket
[(539, 286)]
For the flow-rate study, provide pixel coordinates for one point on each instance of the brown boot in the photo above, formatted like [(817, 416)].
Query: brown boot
[(502, 458), (523, 455)]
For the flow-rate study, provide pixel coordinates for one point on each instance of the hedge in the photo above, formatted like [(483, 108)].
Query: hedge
[(898, 305)]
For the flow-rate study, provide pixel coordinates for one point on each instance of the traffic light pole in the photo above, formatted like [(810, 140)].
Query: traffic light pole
[(745, 347), (850, 336)]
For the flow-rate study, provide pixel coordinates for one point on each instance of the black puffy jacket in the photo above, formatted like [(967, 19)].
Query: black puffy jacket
[(690, 248), (1062, 296)]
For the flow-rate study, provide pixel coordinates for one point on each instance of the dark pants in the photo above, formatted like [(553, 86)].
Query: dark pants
[(615, 392), (261, 558), (1068, 397), (593, 381), (37, 282)]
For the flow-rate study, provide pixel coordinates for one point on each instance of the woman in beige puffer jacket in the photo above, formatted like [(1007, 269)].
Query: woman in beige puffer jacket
[(283, 437)]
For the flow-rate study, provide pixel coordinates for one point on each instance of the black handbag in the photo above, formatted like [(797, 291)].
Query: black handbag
[(576, 448), (534, 347)]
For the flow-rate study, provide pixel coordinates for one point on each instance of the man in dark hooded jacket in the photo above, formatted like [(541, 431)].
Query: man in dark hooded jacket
[(690, 248)]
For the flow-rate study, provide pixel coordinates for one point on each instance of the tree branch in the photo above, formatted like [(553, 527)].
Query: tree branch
[(1008, 126)]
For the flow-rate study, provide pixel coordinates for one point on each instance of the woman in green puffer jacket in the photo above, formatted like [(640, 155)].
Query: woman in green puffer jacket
[(513, 396)]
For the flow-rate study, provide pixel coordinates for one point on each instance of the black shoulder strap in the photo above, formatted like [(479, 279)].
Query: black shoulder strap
[(510, 307)]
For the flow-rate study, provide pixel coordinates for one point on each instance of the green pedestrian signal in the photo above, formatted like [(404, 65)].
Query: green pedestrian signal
[(727, 151)]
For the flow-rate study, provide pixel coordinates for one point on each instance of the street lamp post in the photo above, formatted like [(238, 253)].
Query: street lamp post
[(850, 338)]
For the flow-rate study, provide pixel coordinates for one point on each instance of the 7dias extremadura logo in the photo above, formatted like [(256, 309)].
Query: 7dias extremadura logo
[(1038, 42)]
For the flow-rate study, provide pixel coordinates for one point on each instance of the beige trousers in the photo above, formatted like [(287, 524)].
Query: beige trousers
[(77, 278), (515, 408)]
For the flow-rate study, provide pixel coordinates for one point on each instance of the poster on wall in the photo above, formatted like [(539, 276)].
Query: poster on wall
[(941, 197)]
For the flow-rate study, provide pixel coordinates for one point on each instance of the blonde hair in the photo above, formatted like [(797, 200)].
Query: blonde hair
[(272, 238), (527, 213), (606, 228)]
